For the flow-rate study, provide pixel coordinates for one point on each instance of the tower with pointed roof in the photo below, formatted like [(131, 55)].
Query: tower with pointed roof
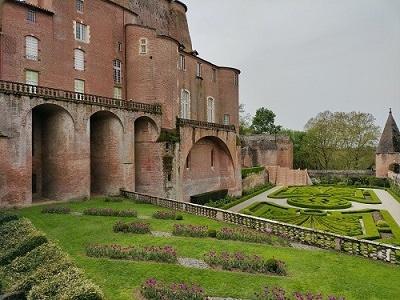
[(388, 151)]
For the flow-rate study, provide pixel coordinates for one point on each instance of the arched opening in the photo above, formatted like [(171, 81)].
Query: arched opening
[(106, 134), (209, 167), (147, 159), (53, 137), (395, 168)]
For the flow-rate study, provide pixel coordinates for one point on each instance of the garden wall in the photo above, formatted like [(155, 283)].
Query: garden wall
[(255, 180), (325, 240)]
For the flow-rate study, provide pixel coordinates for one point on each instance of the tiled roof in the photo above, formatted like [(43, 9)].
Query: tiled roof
[(390, 140)]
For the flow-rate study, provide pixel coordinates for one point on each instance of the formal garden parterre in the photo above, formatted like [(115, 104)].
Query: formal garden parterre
[(89, 241)]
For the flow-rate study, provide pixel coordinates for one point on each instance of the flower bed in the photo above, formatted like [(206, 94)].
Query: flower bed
[(109, 212), (240, 262), (167, 215), (190, 230), (134, 227), (154, 290), (56, 210), (281, 294), (165, 254), (244, 235)]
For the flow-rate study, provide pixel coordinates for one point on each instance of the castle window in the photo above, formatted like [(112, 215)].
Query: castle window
[(117, 93), (117, 65), (79, 88), (31, 48), (81, 32), (31, 16), (143, 46), (79, 4), (212, 158), (185, 104), (214, 75), (210, 110), (198, 70), (182, 62), (169, 177), (79, 60), (119, 46), (32, 77), (227, 119), (188, 161), (236, 80)]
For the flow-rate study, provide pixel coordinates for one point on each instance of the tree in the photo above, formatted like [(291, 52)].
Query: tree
[(264, 122), (301, 157), (244, 121)]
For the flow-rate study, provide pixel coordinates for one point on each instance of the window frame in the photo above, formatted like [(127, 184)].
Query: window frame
[(31, 56), (77, 50), (31, 15), (117, 71), (182, 62), (236, 79), (115, 96), (199, 71), (185, 104), (79, 94), (29, 82), (80, 6), (83, 30), (210, 109), (143, 42), (214, 75), (227, 119)]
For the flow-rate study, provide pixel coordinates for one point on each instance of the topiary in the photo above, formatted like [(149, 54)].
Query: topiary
[(179, 218)]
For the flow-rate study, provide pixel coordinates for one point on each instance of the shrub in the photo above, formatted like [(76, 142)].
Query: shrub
[(179, 218), (207, 197), (244, 235), (212, 233), (6, 217), (164, 215), (281, 294), (134, 227), (190, 230), (240, 262), (109, 212), (165, 254), (153, 290), (56, 210)]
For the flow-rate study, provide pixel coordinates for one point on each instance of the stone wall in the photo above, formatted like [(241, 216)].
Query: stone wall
[(288, 177), (255, 180), (324, 240)]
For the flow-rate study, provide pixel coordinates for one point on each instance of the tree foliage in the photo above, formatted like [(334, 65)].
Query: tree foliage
[(264, 122)]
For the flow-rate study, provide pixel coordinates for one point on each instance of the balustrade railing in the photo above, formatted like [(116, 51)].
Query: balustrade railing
[(16, 88), (321, 239), (205, 125)]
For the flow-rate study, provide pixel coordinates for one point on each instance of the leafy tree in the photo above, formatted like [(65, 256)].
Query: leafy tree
[(244, 121), (264, 122)]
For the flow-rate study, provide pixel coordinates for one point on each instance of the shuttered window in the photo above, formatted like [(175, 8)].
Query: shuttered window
[(31, 48), (32, 78), (79, 56)]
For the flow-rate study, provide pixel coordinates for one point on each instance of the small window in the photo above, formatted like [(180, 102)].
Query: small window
[(214, 75), (169, 177), (117, 93), (210, 110), (117, 65), (198, 69), (143, 46), (182, 62), (227, 119), (212, 158), (79, 4), (119, 46), (185, 104), (79, 86), (81, 32), (31, 48), (31, 15), (236, 80), (79, 59), (32, 77), (188, 161)]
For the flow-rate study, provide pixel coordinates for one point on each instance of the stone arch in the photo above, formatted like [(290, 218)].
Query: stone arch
[(148, 166), (208, 166), (110, 113), (106, 148), (53, 144)]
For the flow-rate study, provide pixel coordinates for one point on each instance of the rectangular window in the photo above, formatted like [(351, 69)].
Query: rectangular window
[(214, 75), (117, 93), (212, 158), (79, 5), (210, 110), (79, 89), (143, 46), (182, 62), (188, 161), (117, 66), (119, 46), (32, 78), (227, 119), (79, 60), (81, 32), (236, 80), (31, 48), (31, 16), (185, 104), (198, 69)]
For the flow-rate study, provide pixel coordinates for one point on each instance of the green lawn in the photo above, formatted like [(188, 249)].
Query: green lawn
[(309, 270)]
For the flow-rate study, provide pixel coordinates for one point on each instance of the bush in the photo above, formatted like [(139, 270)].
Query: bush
[(165, 254), (207, 197), (240, 262), (109, 212), (190, 230), (179, 218), (281, 294), (153, 290), (212, 233), (164, 215), (6, 217), (134, 227), (56, 210), (244, 235)]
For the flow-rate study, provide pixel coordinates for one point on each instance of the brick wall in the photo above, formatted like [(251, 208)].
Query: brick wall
[(383, 163)]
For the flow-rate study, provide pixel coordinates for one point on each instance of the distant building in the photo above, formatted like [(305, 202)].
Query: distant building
[(388, 151), (99, 95)]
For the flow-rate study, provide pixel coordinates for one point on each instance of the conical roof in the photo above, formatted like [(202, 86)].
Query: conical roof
[(390, 140)]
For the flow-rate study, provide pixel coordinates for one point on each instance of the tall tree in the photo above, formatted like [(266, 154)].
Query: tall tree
[(244, 121), (264, 122)]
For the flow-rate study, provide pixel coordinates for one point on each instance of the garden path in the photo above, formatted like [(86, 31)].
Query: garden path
[(388, 203)]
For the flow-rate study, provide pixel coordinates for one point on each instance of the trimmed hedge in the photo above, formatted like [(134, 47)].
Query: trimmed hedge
[(6, 217), (246, 172), (202, 199), (109, 212), (56, 210)]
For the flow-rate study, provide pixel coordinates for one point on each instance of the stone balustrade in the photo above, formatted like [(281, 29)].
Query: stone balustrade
[(205, 125), (321, 239), (8, 87)]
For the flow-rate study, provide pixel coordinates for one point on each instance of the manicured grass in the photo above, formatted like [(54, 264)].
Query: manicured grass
[(325, 271)]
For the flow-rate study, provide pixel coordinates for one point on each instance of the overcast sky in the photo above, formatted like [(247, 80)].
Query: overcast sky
[(301, 57)]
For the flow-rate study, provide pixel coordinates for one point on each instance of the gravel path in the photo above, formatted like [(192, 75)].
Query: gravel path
[(388, 203), (193, 263), (161, 234)]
